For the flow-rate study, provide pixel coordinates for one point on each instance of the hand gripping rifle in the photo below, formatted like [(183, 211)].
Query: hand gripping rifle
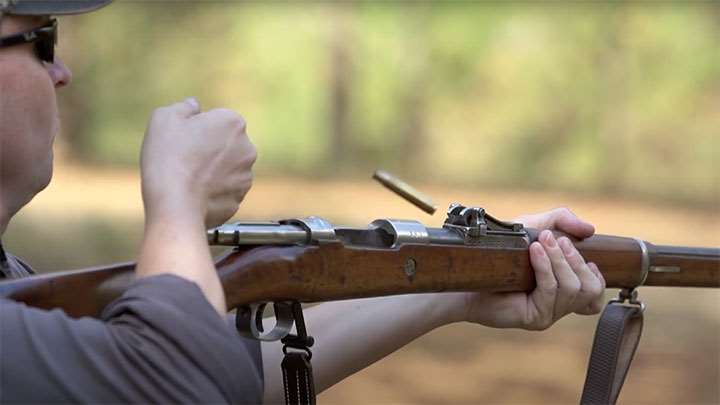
[(309, 260)]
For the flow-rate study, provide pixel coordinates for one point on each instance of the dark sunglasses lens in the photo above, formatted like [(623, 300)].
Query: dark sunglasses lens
[(45, 45), (45, 50)]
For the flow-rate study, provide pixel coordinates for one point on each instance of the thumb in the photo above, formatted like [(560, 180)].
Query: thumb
[(186, 108), (564, 220)]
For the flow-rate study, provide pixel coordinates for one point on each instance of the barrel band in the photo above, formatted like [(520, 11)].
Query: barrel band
[(644, 261)]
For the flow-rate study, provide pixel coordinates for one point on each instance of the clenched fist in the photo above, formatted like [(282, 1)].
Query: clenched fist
[(195, 163)]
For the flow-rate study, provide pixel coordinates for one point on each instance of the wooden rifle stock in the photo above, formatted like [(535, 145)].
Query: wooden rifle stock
[(335, 270)]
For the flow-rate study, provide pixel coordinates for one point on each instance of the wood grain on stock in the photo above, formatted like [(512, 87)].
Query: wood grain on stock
[(79, 292), (333, 271)]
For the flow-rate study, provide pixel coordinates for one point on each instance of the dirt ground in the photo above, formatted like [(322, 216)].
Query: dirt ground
[(678, 361)]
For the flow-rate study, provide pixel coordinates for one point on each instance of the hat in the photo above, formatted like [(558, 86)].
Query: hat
[(50, 7)]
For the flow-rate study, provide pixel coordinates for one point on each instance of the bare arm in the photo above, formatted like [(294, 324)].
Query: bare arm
[(195, 172), (351, 335), (186, 255)]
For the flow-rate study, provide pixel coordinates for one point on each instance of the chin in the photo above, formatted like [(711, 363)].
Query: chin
[(43, 179)]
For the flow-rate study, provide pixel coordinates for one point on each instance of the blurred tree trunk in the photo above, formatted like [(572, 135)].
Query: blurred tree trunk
[(613, 69), (413, 100), (75, 113), (341, 78), (75, 102)]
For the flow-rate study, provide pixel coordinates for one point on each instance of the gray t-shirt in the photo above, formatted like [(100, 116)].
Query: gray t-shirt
[(161, 342), (13, 267)]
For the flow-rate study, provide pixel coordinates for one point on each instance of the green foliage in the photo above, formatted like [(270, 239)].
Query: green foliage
[(592, 97)]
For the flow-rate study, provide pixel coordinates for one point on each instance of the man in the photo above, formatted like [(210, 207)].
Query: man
[(165, 339)]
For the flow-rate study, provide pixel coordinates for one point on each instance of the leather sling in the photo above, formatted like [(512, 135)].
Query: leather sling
[(616, 339)]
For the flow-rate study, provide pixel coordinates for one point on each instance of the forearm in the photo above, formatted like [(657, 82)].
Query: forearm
[(176, 244), (196, 169), (351, 335)]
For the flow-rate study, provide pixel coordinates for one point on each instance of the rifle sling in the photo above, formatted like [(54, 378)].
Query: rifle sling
[(616, 339), (298, 379), (296, 367)]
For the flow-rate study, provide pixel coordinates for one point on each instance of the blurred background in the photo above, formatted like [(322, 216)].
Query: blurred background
[(611, 109)]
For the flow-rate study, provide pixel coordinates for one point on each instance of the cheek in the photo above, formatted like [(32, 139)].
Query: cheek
[(28, 117), (28, 101)]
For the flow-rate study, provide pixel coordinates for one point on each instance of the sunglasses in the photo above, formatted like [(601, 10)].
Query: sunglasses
[(44, 38)]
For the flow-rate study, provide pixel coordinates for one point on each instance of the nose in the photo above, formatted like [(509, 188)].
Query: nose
[(59, 73)]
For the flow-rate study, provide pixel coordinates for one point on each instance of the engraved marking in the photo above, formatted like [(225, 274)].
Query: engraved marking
[(410, 268)]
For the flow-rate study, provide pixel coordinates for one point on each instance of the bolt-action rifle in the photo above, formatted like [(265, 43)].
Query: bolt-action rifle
[(309, 260)]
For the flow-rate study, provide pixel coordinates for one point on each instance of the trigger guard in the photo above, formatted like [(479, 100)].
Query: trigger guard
[(248, 321)]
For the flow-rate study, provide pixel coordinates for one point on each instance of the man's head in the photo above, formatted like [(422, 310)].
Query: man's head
[(28, 108)]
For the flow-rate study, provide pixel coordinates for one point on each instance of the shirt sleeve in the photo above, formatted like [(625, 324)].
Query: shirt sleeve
[(15, 268), (160, 342)]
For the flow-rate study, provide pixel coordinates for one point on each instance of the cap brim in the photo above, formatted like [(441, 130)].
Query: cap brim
[(56, 7)]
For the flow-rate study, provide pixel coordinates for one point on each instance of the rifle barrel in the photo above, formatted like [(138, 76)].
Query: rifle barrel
[(683, 266)]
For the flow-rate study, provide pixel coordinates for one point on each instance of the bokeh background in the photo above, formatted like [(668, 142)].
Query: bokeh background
[(612, 109)]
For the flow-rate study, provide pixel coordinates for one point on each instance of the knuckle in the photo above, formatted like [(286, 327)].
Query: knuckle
[(535, 322), (222, 112), (544, 324), (235, 120), (239, 123), (158, 112), (226, 115), (570, 288), (581, 260), (595, 290), (551, 285), (569, 250), (228, 119), (578, 264), (557, 258), (583, 297), (563, 212), (591, 309), (575, 261)]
